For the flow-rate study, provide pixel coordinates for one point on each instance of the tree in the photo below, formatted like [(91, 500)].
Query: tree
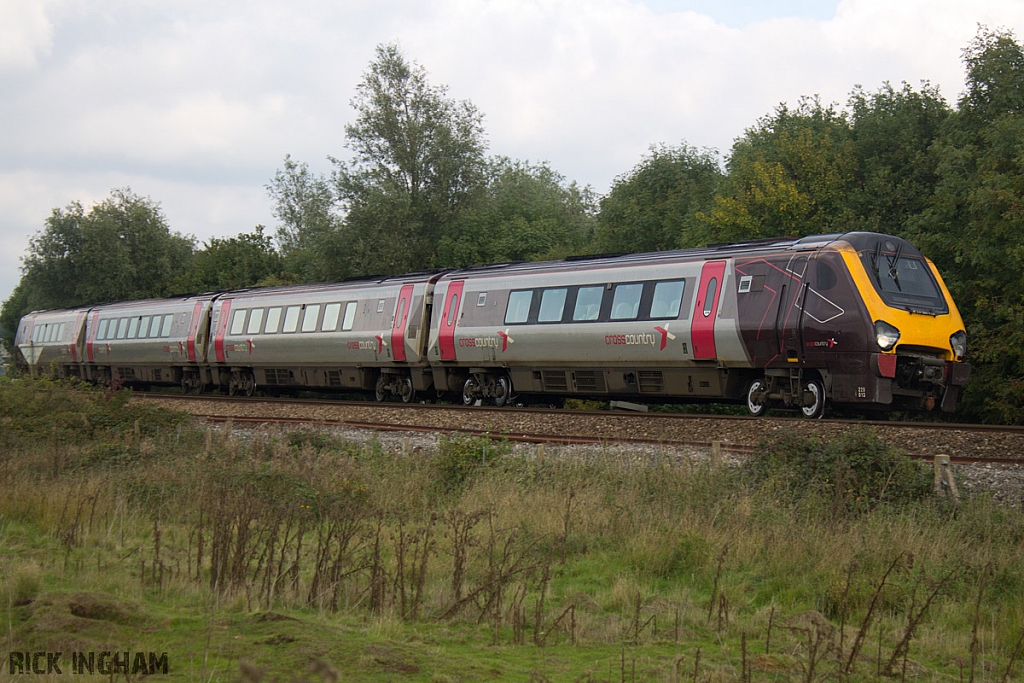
[(247, 260), (120, 249), (789, 175), (525, 213), (973, 227), (11, 312), (893, 132), (310, 233), (654, 207), (418, 160)]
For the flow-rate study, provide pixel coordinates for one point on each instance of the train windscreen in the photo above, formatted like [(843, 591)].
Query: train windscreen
[(904, 282)]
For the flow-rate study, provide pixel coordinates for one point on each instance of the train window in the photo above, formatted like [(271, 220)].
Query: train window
[(453, 307), (826, 276), (668, 296), (552, 303), (291, 319), (101, 332), (165, 331), (481, 299), (273, 320), (518, 310), (133, 328), (144, 327), (60, 333), (238, 321), (380, 305), (50, 329), (626, 301), (310, 319), (350, 315), (588, 303), (331, 314), (710, 295), (255, 321)]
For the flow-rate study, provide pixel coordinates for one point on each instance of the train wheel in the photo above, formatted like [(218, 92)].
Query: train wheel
[(816, 409), (502, 391), (471, 392), (191, 384), (757, 398), (408, 393), (380, 392)]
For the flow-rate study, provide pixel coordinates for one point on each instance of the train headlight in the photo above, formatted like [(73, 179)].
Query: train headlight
[(886, 335), (958, 342)]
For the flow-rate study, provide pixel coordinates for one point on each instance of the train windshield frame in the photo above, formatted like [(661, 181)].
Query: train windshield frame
[(905, 282)]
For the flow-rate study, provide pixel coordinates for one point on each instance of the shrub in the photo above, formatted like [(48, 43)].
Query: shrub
[(459, 458), (852, 474)]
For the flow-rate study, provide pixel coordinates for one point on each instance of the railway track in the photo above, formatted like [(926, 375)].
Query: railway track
[(964, 444)]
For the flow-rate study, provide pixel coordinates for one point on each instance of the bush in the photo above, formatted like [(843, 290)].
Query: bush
[(852, 474), (459, 458)]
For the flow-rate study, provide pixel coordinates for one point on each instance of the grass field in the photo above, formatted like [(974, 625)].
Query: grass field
[(299, 557)]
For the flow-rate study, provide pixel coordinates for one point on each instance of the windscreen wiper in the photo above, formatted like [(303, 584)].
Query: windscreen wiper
[(894, 262)]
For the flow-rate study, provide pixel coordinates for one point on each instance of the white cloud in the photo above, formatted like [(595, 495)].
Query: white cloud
[(25, 34)]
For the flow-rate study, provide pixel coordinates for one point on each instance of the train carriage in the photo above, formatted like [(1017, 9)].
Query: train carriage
[(352, 335), (157, 341), (52, 340)]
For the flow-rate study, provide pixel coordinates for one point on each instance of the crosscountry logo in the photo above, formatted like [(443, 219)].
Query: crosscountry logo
[(505, 340), (665, 335)]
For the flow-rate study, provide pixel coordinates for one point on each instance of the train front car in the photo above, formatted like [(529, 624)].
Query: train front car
[(915, 323), (857, 319), (51, 342)]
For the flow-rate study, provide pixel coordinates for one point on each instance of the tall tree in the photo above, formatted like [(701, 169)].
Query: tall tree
[(974, 226), (524, 213), (789, 175), (418, 158), (119, 249), (233, 263), (893, 132), (310, 233), (655, 206)]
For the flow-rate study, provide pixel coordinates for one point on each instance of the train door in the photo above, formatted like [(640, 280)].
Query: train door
[(401, 318), (222, 326), (788, 325), (449, 318), (91, 335), (193, 327), (702, 329)]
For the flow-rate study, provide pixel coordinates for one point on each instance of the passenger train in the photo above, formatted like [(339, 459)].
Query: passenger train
[(854, 319)]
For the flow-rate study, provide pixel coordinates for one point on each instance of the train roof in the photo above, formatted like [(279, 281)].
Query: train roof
[(859, 240)]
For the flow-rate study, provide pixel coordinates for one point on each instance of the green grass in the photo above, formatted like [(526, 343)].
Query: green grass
[(300, 556)]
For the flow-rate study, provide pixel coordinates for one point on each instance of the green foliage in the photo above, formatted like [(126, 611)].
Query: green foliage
[(418, 160), (310, 234), (60, 412), (851, 475), (523, 213), (233, 263), (789, 175), (460, 458), (655, 206), (120, 249)]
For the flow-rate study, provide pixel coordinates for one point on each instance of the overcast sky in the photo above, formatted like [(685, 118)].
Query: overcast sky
[(195, 103)]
